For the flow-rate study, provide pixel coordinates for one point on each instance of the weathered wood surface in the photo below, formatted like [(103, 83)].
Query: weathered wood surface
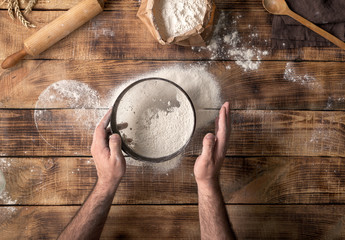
[(275, 85), (68, 132), (134, 4), (255, 180), (180, 222), (121, 35)]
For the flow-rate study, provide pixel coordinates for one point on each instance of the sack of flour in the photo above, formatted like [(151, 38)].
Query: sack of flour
[(181, 22)]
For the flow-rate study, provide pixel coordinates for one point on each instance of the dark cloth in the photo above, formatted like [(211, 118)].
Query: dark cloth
[(327, 14)]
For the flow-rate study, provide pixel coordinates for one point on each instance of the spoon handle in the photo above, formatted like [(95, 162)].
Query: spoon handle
[(316, 29)]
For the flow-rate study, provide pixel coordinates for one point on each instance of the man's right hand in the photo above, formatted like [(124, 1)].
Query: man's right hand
[(209, 163), (107, 154)]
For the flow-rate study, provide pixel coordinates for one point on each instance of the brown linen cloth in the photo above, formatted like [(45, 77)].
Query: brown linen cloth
[(327, 14)]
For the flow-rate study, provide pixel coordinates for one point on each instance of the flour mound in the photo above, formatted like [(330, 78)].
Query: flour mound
[(160, 118), (176, 17), (200, 85)]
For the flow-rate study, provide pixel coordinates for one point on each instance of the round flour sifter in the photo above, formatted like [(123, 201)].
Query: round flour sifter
[(155, 119)]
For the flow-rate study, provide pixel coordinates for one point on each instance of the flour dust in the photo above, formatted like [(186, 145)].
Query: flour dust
[(2, 182), (291, 75), (5, 197), (200, 85), (83, 101), (227, 43)]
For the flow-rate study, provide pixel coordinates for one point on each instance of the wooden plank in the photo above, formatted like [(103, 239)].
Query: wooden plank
[(275, 85), (177, 222), (125, 37), (255, 180), (134, 4), (68, 132)]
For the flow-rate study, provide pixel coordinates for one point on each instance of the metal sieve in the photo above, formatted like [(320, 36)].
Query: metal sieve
[(131, 93)]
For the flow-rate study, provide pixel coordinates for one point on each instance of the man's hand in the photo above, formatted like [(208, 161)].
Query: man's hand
[(107, 154), (208, 164), (214, 219), (89, 221)]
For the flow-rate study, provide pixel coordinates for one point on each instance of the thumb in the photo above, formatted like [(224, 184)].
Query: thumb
[(115, 146), (208, 145)]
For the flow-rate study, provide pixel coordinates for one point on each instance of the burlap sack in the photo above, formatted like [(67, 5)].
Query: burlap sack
[(195, 37)]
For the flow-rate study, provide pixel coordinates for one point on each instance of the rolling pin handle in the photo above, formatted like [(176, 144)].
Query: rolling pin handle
[(12, 60)]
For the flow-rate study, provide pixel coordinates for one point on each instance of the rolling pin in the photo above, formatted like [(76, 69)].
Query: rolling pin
[(56, 30)]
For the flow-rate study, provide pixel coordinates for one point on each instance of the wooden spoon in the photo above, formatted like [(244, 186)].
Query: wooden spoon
[(279, 7)]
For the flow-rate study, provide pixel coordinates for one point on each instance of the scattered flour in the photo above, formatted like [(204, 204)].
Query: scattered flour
[(2, 182), (5, 198), (78, 97), (226, 43), (6, 213), (176, 17), (160, 118), (304, 79), (200, 85)]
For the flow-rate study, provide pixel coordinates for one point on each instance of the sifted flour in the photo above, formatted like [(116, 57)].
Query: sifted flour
[(176, 17), (160, 118), (200, 85), (2, 182)]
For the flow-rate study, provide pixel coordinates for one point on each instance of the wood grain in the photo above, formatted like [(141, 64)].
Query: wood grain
[(177, 222), (134, 4), (275, 85), (125, 37), (68, 132), (251, 180)]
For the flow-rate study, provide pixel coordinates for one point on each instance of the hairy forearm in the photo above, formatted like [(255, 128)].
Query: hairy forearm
[(214, 220), (88, 223)]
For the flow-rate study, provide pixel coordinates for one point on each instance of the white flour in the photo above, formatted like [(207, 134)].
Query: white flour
[(78, 97), (291, 75), (200, 85), (160, 118), (176, 17), (2, 182), (226, 43), (5, 198)]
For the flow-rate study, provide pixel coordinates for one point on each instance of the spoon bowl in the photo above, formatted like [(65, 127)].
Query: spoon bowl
[(275, 6)]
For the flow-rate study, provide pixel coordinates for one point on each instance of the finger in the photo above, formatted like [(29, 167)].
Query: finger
[(216, 125), (208, 146), (221, 133), (100, 134), (115, 147), (227, 111), (105, 120)]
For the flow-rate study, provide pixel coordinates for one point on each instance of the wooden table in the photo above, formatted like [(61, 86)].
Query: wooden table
[(284, 175)]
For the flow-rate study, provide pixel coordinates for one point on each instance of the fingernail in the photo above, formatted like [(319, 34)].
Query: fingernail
[(114, 137), (209, 136)]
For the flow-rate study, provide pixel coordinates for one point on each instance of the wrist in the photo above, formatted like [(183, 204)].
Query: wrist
[(107, 187), (208, 186)]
